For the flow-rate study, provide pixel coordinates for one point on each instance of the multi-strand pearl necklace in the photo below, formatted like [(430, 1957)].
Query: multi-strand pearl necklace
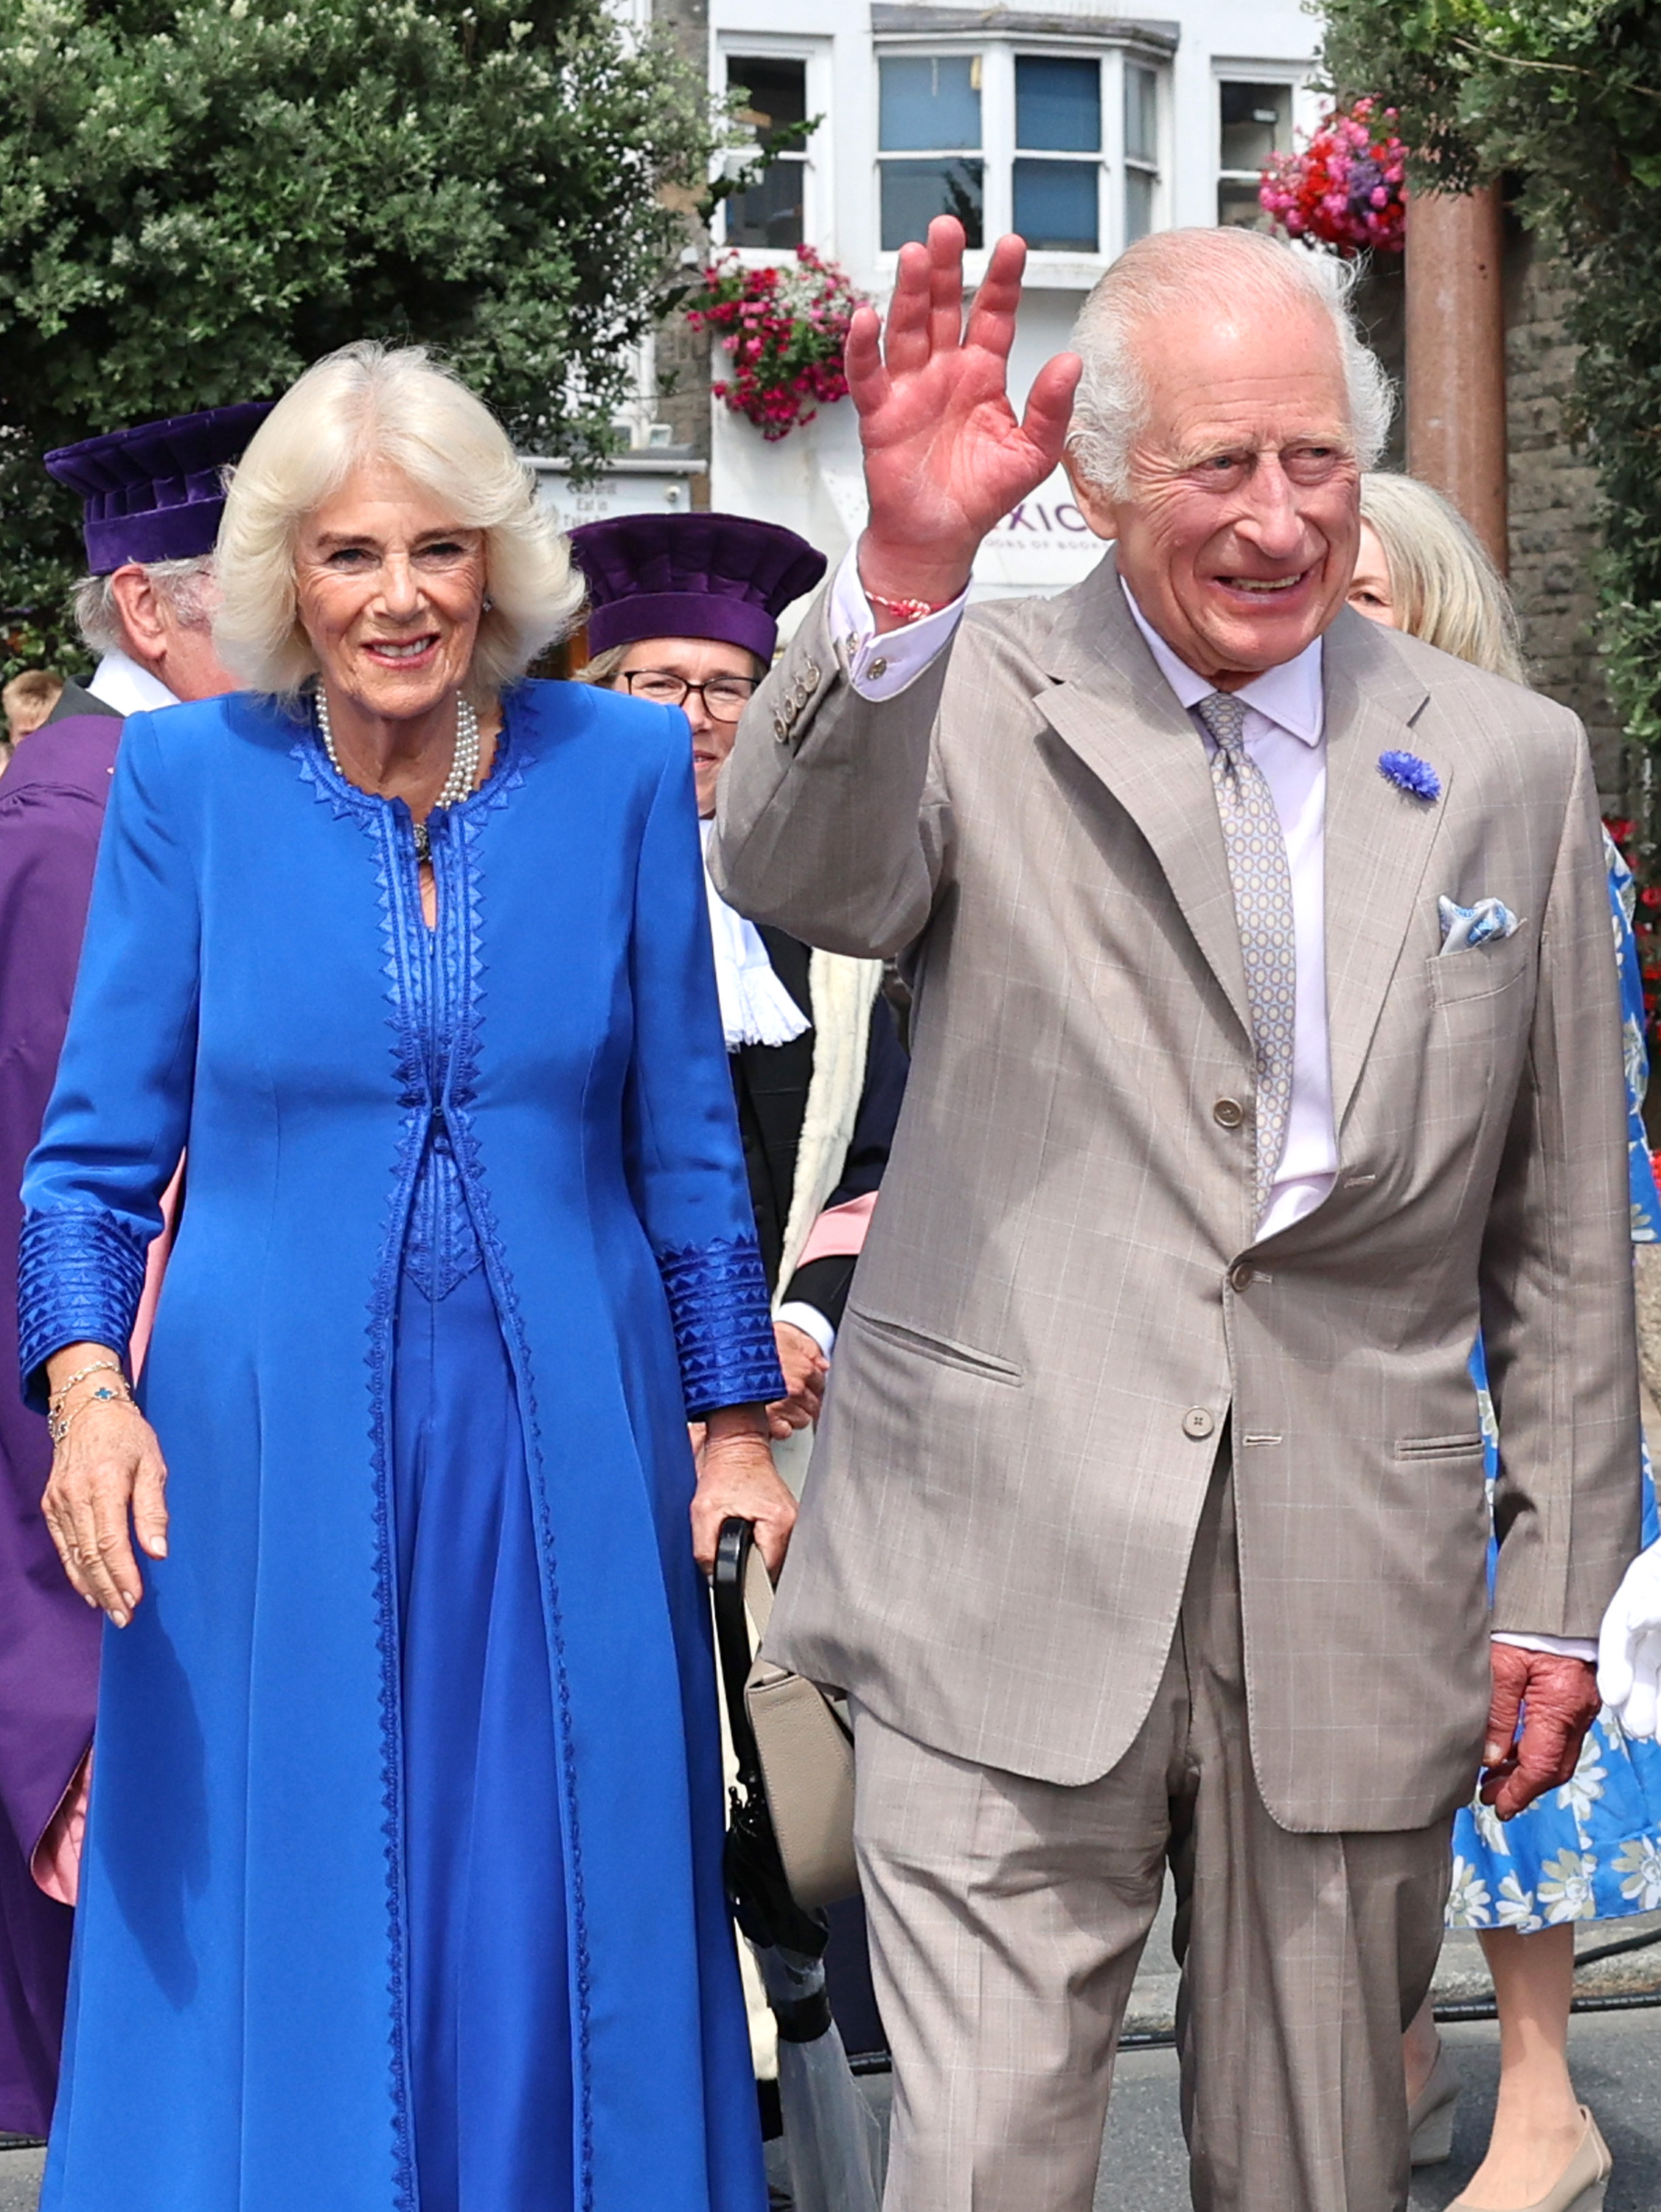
[(463, 765)]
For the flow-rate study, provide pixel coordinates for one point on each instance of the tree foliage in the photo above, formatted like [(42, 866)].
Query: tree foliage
[(1566, 95), (196, 200)]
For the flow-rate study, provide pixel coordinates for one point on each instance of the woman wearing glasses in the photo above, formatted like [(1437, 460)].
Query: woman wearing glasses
[(684, 611)]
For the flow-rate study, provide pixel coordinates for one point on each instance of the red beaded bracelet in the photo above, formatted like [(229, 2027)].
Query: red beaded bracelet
[(910, 610)]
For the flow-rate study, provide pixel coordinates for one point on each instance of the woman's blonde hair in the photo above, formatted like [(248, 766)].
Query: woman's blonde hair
[(604, 666), (371, 402), (1443, 585)]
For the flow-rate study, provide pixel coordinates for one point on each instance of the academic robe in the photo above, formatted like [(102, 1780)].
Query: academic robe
[(51, 809)]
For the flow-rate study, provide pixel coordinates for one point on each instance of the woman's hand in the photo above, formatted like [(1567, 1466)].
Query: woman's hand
[(805, 1368), (107, 1469), (737, 1480)]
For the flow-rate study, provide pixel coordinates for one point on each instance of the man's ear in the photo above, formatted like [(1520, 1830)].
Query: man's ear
[(1096, 506), (142, 613)]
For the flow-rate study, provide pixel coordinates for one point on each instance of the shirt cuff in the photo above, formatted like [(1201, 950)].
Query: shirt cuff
[(881, 667), (1562, 1647), (811, 1322)]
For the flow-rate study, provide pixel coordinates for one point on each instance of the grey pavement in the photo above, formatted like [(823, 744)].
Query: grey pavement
[(1616, 2058), (20, 2179)]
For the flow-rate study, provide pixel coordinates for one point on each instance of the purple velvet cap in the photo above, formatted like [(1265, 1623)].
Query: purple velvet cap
[(692, 575), (154, 492)]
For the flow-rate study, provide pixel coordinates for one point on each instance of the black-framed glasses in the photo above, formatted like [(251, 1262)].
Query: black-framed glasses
[(724, 697)]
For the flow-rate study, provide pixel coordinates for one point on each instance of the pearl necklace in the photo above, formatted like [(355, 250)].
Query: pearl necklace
[(463, 763)]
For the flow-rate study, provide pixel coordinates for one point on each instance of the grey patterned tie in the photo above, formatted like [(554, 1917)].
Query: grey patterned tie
[(1262, 882)]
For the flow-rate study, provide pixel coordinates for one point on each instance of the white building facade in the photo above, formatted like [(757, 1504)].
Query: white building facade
[(1080, 130)]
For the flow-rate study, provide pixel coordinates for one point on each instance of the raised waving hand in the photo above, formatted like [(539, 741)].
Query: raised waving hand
[(945, 456)]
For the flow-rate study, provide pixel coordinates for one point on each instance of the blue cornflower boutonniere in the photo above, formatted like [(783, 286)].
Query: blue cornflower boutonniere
[(1410, 774)]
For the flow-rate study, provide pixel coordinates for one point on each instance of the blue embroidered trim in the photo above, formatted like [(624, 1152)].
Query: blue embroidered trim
[(464, 979), (441, 1247), (80, 1277), (718, 1301), (399, 892)]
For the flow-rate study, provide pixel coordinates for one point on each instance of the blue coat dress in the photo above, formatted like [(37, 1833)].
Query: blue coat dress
[(402, 1884)]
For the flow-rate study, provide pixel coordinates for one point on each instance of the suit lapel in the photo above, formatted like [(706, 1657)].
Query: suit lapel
[(1378, 837), (1117, 712)]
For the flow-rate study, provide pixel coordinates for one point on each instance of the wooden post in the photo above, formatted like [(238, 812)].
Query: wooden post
[(1456, 356)]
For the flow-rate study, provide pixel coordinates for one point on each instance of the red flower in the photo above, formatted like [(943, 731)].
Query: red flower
[(786, 330)]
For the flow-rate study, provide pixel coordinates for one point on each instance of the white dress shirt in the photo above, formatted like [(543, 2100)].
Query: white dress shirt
[(120, 683), (1285, 734)]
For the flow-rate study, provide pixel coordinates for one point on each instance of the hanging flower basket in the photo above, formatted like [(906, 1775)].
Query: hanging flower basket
[(785, 329), (1345, 188)]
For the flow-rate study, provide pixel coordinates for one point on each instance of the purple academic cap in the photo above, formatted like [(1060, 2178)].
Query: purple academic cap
[(156, 492), (692, 575)]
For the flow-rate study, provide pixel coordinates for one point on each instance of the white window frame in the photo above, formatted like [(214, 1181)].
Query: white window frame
[(998, 51), (818, 163), (1305, 108)]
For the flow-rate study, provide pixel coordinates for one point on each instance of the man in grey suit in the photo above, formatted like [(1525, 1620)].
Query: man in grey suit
[(1266, 1040)]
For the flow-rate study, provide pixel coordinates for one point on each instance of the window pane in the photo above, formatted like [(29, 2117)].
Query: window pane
[(777, 89), (914, 193), (1140, 114), (1055, 205), (1138, 204), (928, 101), (769, 214), (1257, 122), (1238, 205), (1057, 105)]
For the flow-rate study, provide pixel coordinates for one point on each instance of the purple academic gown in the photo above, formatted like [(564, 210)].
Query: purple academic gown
[(51, 809)]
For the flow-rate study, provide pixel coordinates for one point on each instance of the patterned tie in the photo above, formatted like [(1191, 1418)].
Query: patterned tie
[(1261, 881)]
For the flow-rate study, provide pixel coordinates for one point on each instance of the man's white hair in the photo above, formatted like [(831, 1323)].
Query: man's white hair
[(98, 614), (1118, 329), (375, 402)]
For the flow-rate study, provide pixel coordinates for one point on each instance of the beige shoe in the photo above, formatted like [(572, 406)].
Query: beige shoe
[(1430, 2116), (1579, 2188)]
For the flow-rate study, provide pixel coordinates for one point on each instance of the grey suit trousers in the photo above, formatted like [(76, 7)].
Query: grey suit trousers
[(1007, 1916)]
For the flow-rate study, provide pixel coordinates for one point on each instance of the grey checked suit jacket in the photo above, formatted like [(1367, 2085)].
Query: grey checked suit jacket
[(1060, 1304)]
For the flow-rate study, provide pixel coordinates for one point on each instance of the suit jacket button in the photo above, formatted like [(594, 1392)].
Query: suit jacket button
[(1197, 1422), (1242, 1277), (1228, 1113), (780, 728)]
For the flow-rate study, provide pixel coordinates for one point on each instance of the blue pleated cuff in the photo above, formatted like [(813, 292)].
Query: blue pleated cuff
[(718, 1300), (80, 1277)]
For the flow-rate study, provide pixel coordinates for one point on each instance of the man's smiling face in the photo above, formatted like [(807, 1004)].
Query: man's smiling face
[(1238, 535)]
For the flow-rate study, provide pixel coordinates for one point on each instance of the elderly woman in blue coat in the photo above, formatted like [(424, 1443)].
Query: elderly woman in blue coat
[(401, 1889)]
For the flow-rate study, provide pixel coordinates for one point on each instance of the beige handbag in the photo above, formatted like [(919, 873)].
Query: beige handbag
[(802, 1742)]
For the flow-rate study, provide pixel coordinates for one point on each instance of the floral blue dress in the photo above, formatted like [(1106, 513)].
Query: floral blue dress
[(1590, 1850)]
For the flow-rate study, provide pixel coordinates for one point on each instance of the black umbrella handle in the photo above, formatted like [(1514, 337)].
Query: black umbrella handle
[(732, 1644)]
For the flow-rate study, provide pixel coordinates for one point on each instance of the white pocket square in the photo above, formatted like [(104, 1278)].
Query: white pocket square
[(1466, 927)]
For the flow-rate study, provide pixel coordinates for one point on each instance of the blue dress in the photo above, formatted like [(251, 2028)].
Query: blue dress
[(401, 1883), (1592, 1849)]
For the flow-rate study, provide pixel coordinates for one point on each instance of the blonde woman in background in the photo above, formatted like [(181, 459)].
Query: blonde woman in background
[(27, 701), (1587, 1851)]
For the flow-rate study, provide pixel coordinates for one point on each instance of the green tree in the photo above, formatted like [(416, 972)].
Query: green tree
[(1565, 95), (198, 200)]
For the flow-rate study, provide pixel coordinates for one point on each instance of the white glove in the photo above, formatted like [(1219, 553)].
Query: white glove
[(1629, 1647)]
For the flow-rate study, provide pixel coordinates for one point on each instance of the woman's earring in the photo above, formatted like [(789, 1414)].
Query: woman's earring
[(488, 604)]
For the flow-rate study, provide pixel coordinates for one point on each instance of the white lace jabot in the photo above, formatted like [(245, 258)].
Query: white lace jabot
[(756, 1007)]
